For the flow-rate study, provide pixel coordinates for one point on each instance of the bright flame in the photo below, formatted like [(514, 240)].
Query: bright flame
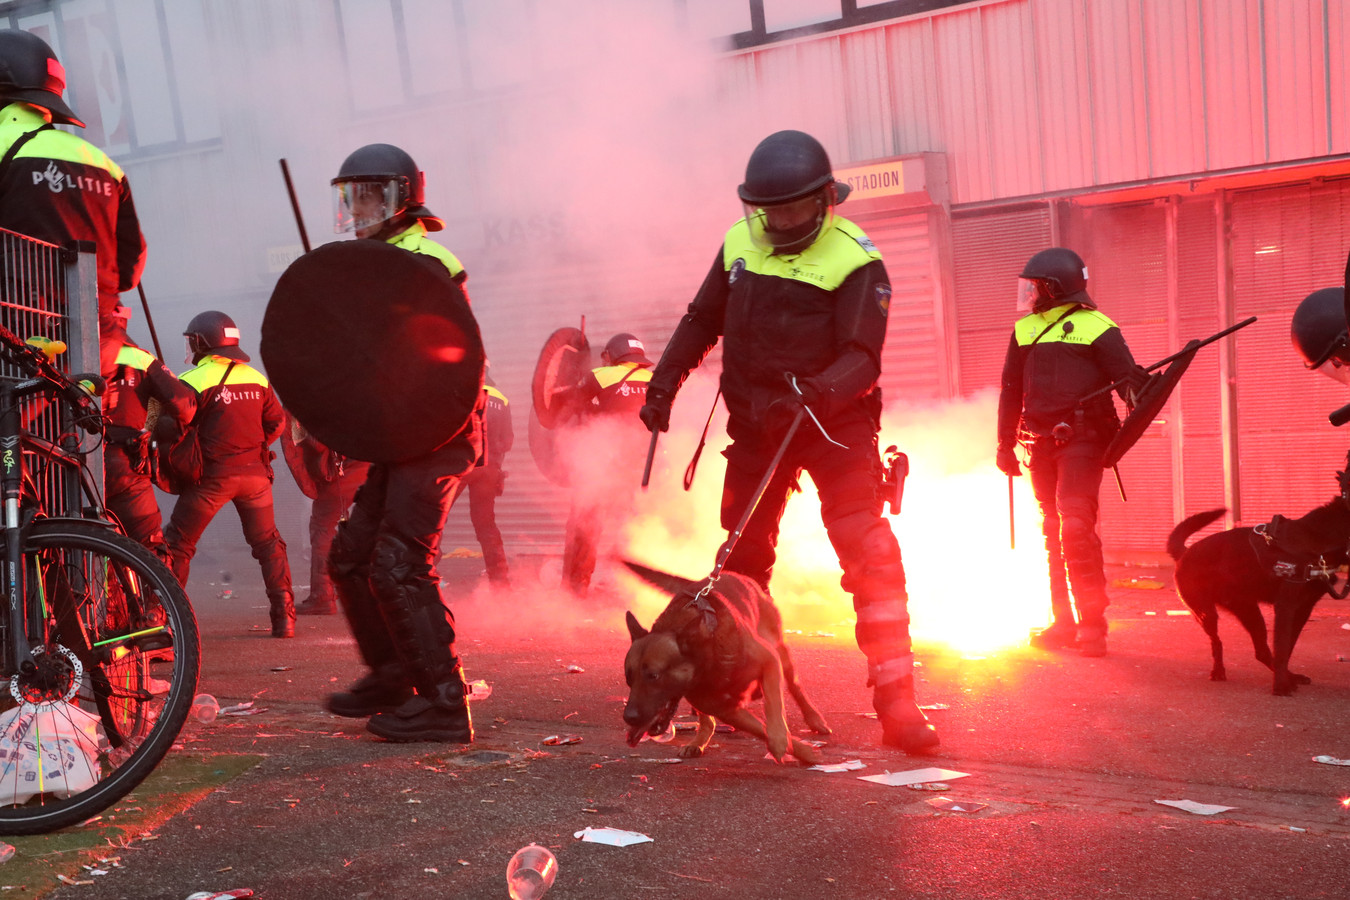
[(967, 590)]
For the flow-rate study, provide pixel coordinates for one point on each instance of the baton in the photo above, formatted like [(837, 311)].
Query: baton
[(150, 322), (1340, 416), (1167, 359), (295, 204), (1012, 522), (651, 454)]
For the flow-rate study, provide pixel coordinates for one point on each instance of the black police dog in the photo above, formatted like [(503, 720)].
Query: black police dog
[(1289, 564)]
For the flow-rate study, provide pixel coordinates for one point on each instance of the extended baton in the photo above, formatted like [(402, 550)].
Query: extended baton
[(150, 322), (1167, 359), (295, 204), (651, 454), (1012, 520)]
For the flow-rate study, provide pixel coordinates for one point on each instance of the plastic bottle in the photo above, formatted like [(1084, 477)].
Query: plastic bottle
[(530, 872), (205, 708)]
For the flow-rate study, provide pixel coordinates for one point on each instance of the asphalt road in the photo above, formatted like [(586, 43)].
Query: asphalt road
[(1067, 756)]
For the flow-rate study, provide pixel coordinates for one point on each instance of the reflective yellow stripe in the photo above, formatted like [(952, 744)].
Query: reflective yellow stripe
[(496, 393), (134, 357), (415, 240), (612, 375), (209, 372), (1088, 325), (839, 252), (19, 118)]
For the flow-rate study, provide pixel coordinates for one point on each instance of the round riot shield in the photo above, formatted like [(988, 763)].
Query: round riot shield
[(373, 349), (564, 361)]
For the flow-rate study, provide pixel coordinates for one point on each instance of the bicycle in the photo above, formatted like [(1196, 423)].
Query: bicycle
[(99, 650)]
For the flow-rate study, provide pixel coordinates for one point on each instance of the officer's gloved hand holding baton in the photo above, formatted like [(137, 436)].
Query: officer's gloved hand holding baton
[(1006, 460), (655, 414)]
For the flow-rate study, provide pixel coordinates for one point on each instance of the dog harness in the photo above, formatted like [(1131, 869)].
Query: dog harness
[(1293, 566)]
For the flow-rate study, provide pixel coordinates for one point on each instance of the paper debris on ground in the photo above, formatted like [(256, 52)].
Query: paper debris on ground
[(914, 776), (846, 766), (558, 740), (614, 837), (238, 709), (947, 804), (1200, 809), (1331, 761)]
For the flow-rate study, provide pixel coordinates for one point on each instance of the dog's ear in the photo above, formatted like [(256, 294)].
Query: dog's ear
[(672, 584), (635, 630)]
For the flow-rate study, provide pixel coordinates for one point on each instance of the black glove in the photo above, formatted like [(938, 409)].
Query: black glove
[(778, 418), (655, 413), (1006, 460), (1136, 381)]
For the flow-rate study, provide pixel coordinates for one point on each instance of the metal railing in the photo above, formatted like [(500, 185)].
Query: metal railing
[(52, 292)]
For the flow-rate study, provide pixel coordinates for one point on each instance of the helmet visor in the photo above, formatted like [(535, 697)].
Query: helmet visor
[(1335, 369), (1028, 292), (789, 227), (363, 204)]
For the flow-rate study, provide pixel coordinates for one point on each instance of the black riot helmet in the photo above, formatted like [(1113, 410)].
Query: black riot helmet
[(30, 72), (380, 183), (789, 192), (212, 332), (624, 347), (1318, 331), (1052, 278)]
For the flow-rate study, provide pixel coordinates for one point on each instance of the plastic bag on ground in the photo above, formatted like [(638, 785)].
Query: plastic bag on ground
[(47, 748)]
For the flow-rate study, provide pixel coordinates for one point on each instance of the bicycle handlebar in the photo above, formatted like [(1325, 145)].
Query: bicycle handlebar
[(35, 363)]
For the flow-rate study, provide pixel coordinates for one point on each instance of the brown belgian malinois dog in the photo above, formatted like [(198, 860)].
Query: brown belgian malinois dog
[(718, 649)]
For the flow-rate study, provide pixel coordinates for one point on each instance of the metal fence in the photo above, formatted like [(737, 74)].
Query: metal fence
[(52, 292)]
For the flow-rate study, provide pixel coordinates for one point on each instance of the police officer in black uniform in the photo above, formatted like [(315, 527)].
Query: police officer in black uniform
[(238, 418), (60, 188), (1063, 350), (383, 560), (485, 483), (139, 380), (616, 389), (796, 290)]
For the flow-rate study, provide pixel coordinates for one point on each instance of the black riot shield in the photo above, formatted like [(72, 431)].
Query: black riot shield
[(564, 361), (1150, 402), (373, 349)]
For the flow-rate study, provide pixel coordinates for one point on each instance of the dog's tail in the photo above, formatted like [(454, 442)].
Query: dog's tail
[(1176, 541), (673, 584)]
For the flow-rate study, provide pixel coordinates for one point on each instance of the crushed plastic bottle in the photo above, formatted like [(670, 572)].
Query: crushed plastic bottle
[(530, 872), (664, 737), (205, 708), (479, 690)]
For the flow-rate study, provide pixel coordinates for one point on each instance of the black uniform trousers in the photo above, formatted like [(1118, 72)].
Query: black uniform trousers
[(1066, 480), (251, 493), (383, 566), (484, 485), (131, 498), (849, 483)]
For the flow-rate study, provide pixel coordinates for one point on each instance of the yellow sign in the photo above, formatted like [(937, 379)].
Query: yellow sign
[(885, 179)]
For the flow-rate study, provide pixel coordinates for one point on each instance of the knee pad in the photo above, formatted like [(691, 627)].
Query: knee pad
[(391, 564)]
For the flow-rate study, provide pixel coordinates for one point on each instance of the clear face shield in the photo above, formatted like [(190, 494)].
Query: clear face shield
[(1335, 369), (789, 227), (1028, 292), (359, 205)]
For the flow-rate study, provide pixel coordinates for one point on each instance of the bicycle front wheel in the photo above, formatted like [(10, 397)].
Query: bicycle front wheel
[(108, 684)]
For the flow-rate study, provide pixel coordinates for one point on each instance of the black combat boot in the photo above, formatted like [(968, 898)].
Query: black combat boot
[(382, 689), (1059, 636), (283, 615), (441, 715), (314, 605), (903, 724)]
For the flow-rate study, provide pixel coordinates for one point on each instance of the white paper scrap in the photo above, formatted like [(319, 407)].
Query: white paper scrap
[(1200, 809), (1331, 761), (846, 766), (914, 776), (614, 837)]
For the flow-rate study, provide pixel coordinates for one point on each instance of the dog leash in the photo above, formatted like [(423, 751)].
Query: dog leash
[(700, 600)]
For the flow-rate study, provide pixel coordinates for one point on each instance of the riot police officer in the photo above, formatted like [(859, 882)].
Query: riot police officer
[(42, 160), (799, 295), (383, 559), (486, 482), (138, 380), (1063, 350), (238, 417), (615, 390)]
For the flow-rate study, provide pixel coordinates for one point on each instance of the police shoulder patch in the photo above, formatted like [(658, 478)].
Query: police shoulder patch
[(735, 271), (884, 298), (866, 243)]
